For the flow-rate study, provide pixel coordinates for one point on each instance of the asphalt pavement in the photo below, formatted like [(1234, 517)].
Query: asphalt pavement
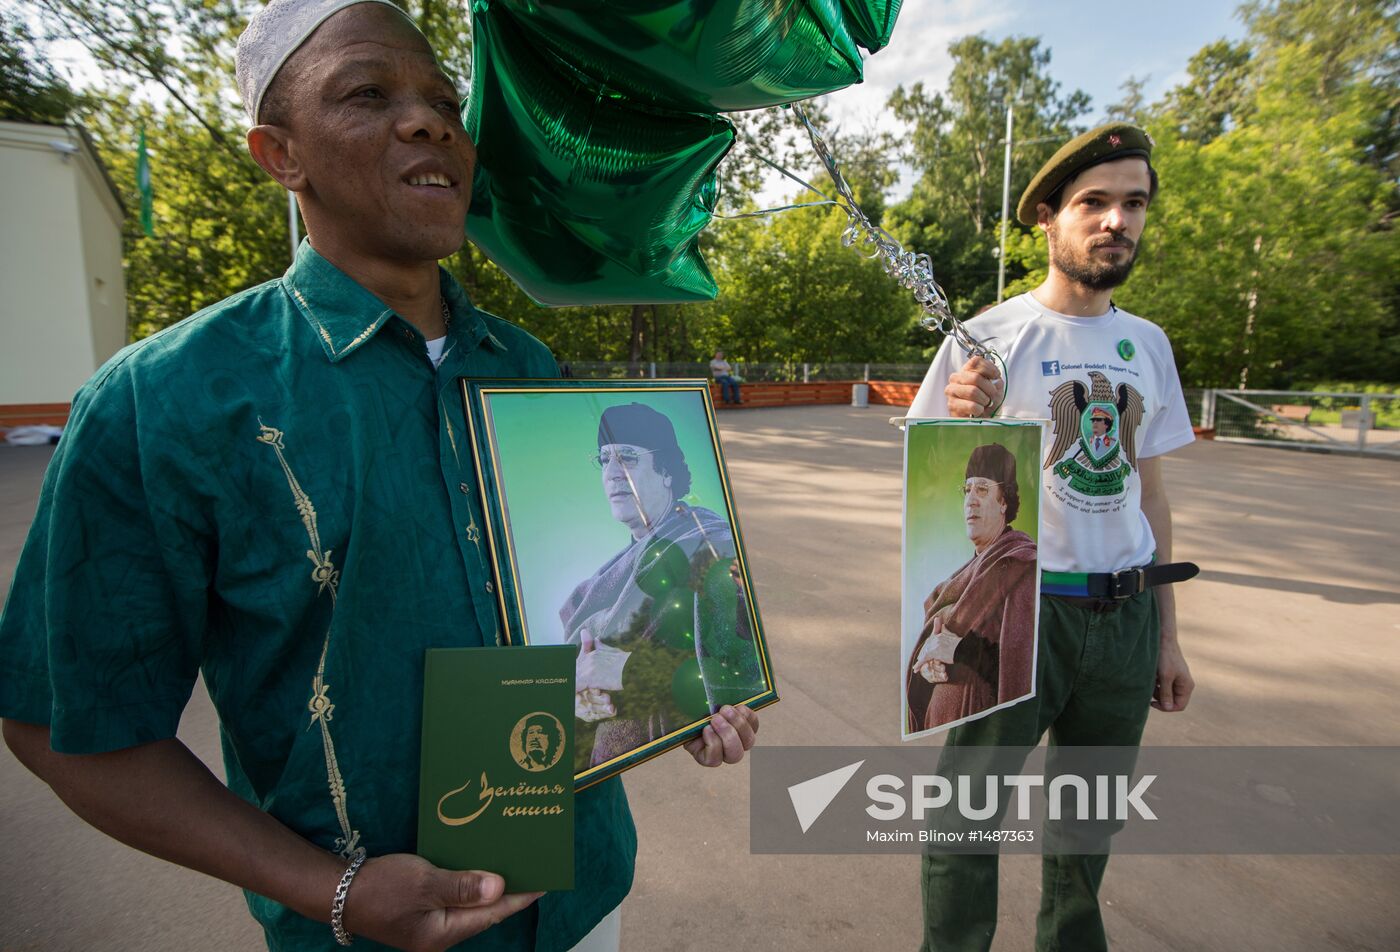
[(1292, 633)]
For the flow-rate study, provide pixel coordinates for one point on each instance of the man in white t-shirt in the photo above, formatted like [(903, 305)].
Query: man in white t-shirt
[(1107, 382)]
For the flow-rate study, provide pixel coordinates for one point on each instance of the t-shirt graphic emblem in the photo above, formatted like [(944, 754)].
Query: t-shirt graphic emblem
[(1105, 422)]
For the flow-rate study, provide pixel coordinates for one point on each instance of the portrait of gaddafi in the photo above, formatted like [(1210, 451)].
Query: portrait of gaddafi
[(974, 646), (622, 538)]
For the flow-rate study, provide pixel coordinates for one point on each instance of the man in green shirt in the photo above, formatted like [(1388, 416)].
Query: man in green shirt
[(276, 493)]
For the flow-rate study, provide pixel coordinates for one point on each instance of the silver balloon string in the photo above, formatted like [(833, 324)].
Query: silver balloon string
[(912, 270)]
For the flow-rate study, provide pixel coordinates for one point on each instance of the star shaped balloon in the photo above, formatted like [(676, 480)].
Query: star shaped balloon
[(599, 127)]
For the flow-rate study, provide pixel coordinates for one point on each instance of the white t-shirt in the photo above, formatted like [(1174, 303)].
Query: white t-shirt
[(1099, 381), (720, 368)]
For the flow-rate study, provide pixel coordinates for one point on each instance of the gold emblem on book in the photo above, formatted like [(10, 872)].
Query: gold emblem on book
[(537, 741)]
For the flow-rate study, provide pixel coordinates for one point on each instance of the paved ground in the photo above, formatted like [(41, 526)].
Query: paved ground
[(1291, 632)]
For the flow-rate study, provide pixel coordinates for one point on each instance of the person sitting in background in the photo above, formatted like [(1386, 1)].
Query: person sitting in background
[(724, 376)]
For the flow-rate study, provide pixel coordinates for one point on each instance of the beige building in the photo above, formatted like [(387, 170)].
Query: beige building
[(63, 300)]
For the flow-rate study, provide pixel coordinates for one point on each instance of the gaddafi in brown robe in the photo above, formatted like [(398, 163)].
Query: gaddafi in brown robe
[(990, 602)]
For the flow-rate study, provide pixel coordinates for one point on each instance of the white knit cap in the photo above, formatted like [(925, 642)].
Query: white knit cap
[(273, 34)]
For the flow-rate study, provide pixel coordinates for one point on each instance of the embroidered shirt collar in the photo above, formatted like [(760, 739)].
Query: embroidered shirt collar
[(343, 314)]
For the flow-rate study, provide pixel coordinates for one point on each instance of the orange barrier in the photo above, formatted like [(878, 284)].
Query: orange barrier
[(892, 393), (826, 392), (823, 392), (818, 393), (33, 414)]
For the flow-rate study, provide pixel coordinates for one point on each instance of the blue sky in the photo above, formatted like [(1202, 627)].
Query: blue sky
[(1096, 52), (1094, 47)]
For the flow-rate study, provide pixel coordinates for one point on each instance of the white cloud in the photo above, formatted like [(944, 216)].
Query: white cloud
[(918, 52)]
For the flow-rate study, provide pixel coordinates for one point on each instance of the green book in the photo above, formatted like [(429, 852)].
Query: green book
[(496, 789)]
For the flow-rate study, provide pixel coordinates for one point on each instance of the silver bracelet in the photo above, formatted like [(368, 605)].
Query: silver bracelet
[(338, 904)]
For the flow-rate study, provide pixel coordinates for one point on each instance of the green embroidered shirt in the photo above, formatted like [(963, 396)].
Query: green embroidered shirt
[(277, 492)]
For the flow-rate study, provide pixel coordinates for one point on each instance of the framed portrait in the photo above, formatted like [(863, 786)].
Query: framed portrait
[(611, 526), (971, 570)]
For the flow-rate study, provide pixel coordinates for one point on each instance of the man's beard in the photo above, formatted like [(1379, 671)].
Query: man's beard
[(1087, 271)]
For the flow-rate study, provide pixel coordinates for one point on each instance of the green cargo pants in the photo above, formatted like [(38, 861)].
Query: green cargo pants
[(1095, 673)]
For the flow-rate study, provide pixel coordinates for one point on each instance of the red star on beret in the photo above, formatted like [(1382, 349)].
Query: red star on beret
[(1115, 141)]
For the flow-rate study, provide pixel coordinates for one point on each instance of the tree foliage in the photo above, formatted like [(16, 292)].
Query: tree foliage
[(30, 90), (1133, 104), (957, 144), (1271, 254), (1217, 94), (1277, 203)]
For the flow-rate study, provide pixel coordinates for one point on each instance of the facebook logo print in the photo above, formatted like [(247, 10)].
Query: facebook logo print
[(1049, 368)]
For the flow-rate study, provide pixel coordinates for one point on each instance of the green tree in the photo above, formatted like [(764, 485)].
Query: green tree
[(792, 292), (1274, 257), (1271, 255), (1133, 105), (220, 223), (957, 146), (774, 134), (30, 91), (1217, 94)]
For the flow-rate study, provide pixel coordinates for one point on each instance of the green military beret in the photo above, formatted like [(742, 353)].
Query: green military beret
[(1117, 140)]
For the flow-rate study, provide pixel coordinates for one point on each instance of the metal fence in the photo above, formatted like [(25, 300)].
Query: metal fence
[(754, 372), (1314, 420), (1302, 419)]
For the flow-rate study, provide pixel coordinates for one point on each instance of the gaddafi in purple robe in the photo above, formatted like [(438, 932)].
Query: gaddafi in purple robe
[(977, 646)]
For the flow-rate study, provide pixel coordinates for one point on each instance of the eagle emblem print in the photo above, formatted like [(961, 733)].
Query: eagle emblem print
[(1100, 423)]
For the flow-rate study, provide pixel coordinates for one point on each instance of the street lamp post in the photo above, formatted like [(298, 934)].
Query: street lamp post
[(1006, 196), (1005, 204)]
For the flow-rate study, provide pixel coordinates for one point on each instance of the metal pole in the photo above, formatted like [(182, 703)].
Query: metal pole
[(1005, 206), (292, 228), (804, 372), (1364, 423)]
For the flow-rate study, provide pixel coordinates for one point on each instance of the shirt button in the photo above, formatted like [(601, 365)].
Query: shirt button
[(464, 487), (490, 588)]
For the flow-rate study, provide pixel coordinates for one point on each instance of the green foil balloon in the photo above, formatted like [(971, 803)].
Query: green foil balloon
[(598, 134), (582, 198), (706, 55), (871, 24)]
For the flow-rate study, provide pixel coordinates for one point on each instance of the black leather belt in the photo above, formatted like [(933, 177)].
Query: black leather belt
[(1116, 585)]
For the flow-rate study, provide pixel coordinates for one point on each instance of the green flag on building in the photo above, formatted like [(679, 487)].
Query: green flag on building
[(143, 184)]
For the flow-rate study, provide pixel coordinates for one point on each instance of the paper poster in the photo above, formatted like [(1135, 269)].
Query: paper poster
[(971, 570)]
